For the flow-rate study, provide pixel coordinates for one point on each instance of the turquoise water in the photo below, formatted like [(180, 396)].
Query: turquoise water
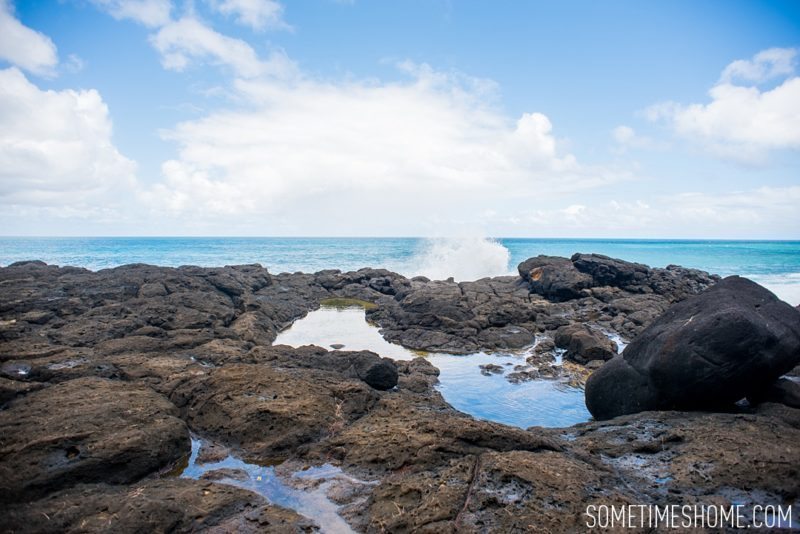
[(775, 264)]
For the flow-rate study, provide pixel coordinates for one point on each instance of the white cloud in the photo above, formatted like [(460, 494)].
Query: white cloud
[(315, 155), (623, 134), (742, 209), (26, 48), (188, 40), (152, 13), (74, 64), (55, 146), (258, 14), (765, 212), (626, 138), (743, 122), (574, 211), (764, 66)]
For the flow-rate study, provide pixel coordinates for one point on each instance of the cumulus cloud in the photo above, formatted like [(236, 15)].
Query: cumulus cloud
[(26, 48), (152, 13), (427, 149), (743, 121), (188, 41), (55, 146), (257, 14)]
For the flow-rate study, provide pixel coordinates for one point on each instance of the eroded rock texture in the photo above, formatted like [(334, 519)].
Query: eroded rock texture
[(104, 375)]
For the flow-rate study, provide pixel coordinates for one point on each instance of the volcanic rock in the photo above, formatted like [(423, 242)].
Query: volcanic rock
[(584, 344), (782, 391), (555, 278), (169, 505), (269, 412), (86, 430), (708, 351)]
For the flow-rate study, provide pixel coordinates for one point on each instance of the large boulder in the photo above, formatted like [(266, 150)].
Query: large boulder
[(606, 271), (674, 282), (561, 279), (710, 350), (554, 278)]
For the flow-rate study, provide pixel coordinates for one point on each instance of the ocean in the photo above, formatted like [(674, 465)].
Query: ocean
[(774, 264)]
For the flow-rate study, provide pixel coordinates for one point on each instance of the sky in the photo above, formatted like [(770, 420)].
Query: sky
[(626, 119)]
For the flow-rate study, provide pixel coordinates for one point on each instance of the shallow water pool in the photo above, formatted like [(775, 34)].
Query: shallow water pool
[(308, 496), (540, 402)]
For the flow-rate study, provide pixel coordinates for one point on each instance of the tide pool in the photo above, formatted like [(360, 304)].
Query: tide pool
[(541, 402)]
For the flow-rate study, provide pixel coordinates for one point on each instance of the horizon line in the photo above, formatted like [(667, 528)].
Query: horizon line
[(721, 239)]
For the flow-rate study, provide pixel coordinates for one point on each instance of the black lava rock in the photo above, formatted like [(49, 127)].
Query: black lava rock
[(710, 350)]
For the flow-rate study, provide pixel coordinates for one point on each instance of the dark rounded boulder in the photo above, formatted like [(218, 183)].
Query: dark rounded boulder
[(554, 278), (708, 351), (379, 373)]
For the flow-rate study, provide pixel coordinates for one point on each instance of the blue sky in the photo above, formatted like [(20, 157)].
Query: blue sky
[(254, 117)]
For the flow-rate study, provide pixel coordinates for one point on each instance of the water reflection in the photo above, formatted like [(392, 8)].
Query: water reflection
[(541, 402), (343, 326), (311, 501)]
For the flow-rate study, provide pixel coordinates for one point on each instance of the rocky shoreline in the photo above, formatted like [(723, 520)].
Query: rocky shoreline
[(106, 376)]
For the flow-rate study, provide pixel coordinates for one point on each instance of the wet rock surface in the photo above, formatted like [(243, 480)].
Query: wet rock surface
[(103, 375), (708, 351)]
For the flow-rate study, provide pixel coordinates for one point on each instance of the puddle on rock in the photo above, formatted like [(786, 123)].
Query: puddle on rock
[(69, 364), (304, 491), (344, 327), (538, 402), (15, 369)]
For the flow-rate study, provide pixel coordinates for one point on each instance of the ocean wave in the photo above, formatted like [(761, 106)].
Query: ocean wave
[(469, 258)]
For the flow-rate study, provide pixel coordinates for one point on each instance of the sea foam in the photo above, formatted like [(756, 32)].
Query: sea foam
[(464, 258)]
